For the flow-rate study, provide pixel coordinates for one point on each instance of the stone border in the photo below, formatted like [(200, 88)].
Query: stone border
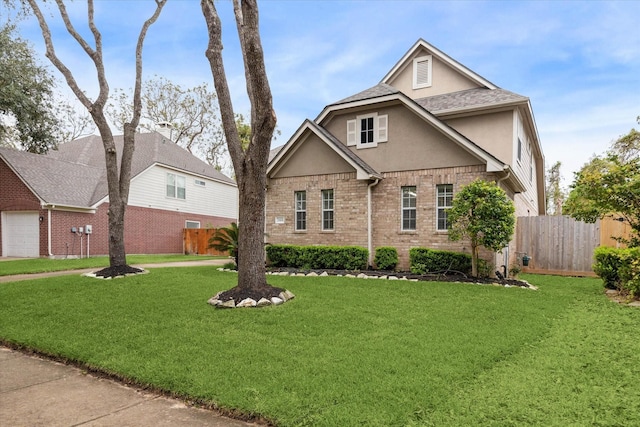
[(250, 302), (93, 275), (383, 277)]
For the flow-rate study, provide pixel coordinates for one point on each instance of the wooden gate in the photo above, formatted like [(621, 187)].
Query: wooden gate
[(196, 242)]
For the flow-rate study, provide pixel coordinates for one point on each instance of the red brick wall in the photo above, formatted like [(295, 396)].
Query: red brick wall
[(15, 196), (147, 231)]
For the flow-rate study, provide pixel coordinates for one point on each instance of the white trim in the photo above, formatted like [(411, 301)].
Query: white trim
[(442, 57), (359, 119), (422, 71)]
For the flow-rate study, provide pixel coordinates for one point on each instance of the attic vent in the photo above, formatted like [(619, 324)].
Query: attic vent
[(422, 72)]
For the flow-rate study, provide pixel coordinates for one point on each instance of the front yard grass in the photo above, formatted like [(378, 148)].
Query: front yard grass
[(45, 265), (349, 351)]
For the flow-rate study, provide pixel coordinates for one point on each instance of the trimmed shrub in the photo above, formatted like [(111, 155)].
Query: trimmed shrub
[(386, 258), (318, 257), (619, 268), (425, 260)]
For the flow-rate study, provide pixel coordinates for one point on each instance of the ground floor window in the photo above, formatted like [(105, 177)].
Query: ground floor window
[(327, 209), (444, 203), (191, 224), (301, 210), (409, 208)]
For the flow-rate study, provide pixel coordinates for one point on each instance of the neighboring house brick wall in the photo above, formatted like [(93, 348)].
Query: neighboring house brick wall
[(147, 231), (16, 196)]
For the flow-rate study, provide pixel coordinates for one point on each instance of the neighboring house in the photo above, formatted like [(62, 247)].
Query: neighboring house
[(44, 197), (381, 167)]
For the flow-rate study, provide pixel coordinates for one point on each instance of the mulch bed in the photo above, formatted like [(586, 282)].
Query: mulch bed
[(238, 294), (117, 271), (448, 276)]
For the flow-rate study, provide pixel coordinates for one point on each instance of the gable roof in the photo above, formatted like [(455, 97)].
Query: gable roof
[(75, 174), (372, 96), (363, 170), (53, 181), (421, 44)]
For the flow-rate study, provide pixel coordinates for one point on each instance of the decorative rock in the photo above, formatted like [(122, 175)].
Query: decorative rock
[(288, 294), (214, 301), (220, 269), (247, 302), (361, 276), (276, 301), (324, 274), (283, 273), (312, 274), (228, 304), (300, 274), (263, 302), (384, 277), (413, 280), (349, 275), (404, 278), (393, 278)]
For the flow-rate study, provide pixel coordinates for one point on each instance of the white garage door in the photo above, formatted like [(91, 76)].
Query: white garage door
[(21, 234)]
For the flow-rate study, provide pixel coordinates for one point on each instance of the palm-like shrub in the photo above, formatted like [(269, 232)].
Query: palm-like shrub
[(225, 239)]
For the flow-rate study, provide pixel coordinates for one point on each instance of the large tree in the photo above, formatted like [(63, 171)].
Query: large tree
[(250, 162), (610, 185), (554, 191), (118, 175), (483, 213), (192, 113), (27, 109)]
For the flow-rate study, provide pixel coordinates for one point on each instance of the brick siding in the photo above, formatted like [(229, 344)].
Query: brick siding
[(350, 204)]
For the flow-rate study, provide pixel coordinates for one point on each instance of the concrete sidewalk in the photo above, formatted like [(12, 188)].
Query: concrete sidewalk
[(195, 263), (39, 392)]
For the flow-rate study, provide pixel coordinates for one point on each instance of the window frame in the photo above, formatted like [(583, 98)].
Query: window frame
[(406, 189), (176, 187), (300, 214), (186, 224), (380, 130), (441, 210), (328, 213)]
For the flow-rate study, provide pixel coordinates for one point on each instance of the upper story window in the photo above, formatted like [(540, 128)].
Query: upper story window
[(443, 204), (409, 208), (422, 67), (519, 149), (176, 186), (301, 210), (200, 182), (327, 209), (367, 130)]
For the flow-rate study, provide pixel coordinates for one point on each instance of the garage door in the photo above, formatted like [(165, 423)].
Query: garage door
[(21, 234)]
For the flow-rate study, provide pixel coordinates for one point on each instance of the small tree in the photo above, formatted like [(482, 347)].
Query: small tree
[(483, 213), (225, 239)]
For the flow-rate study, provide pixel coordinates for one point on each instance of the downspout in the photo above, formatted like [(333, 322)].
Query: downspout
[(369, 221), (49, 231)]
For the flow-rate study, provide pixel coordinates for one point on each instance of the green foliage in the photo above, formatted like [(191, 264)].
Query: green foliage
[(318, 257), (555, 194), (26, 93), (619, 268), (386, 258), (225, 239), (425, 260), (610, 184), (482, 212)]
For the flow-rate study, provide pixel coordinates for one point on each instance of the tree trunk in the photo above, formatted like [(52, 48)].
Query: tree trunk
[(475, 249)]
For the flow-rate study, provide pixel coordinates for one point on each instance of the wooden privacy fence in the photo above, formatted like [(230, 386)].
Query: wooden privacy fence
[(564, 246), (196, 241)]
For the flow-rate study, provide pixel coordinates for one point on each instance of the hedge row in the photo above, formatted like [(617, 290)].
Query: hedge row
[(619, 268), (318, 257)]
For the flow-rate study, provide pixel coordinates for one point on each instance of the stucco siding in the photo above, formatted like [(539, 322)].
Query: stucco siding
[(149, 190), (444, 79), (412, 143), (493, 132), (313, 157)]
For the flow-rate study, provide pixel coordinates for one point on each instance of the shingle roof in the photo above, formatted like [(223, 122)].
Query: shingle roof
[(381, 89), (75, 174), (471, 98), (54, 181)]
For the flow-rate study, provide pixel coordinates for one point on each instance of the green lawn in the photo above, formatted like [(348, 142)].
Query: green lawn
[(44, 265), (347, 351)]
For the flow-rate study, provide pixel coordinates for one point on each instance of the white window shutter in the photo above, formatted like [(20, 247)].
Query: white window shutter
[(382, 128), (351, 133)]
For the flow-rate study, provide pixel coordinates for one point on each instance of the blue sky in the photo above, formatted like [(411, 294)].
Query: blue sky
[(578, 61)]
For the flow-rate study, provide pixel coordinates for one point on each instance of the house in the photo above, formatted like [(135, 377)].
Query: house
[(381, 167), (45, 200)]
